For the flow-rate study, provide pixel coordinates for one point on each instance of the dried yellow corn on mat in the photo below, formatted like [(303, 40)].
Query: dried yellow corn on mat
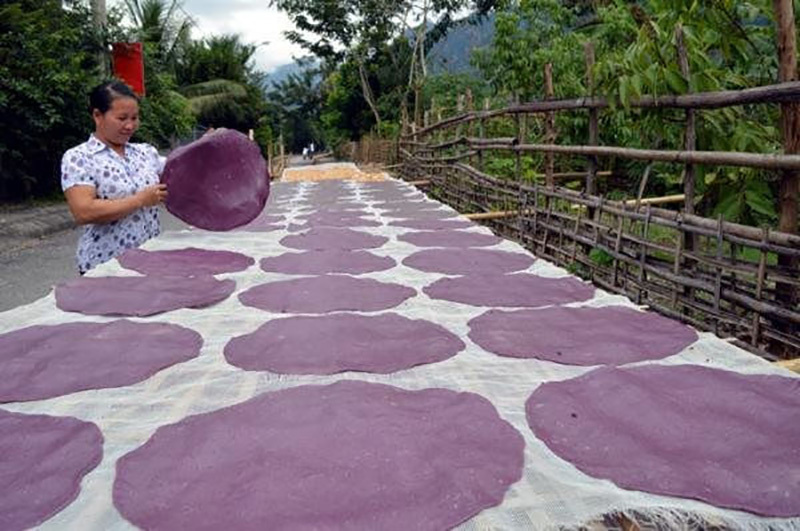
[(332, 171)]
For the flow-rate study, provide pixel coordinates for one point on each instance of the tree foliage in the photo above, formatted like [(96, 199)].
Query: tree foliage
[(47, 61), (730, 45)]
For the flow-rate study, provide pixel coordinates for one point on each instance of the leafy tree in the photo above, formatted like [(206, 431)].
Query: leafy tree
[(357, 29), (217, 76), (297, 102), (43, 105), (730, 46), (159, 23)]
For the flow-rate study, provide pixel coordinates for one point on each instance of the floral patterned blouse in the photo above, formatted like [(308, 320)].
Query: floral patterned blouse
[(113, 176)]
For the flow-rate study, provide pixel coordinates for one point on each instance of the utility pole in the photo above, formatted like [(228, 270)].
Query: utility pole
[(100, 21)]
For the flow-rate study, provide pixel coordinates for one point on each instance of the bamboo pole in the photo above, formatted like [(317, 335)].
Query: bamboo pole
[(788, 92), (550, 126), (721, 158), (594, 123), (690, 135)]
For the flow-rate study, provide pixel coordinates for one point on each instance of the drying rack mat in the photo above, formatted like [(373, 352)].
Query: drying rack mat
[(552, 492)]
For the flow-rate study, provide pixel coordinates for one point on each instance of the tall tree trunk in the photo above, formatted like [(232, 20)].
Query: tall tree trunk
[(790, 127), (367, 91)]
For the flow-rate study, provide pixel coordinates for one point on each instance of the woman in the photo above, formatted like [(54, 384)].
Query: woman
[(112, 185)]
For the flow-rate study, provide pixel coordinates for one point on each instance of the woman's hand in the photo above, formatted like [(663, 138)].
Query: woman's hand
[(152, 195)]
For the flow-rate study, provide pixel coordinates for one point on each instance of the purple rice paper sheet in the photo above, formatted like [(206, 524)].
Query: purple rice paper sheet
[(325, 262), (218, 182), (727, 439), (140, 296), (259, 227), (184, 262), (408, 205), (265, 222), (328, 238), (432, 224), (611, 335), (46, 361), (346, 456), (521, 290), (378, 344), (323, 294), (339, 212), (340, 222), (449, 238), (50, 457), (467, 261), (421, 214)]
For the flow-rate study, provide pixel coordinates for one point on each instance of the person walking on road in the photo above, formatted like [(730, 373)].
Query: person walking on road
[(111, 184)]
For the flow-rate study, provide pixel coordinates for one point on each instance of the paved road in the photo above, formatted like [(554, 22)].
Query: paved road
[(29, 267)]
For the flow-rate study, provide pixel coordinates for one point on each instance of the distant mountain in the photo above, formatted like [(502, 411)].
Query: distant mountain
[(281, 73), (451, 54)]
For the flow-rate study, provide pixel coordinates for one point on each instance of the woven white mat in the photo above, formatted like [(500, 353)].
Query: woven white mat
[(552, 492)]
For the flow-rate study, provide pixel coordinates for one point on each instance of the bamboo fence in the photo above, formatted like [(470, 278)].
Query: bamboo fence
[(735, 280)]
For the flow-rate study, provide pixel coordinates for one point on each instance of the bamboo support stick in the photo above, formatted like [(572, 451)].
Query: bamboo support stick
[(785, 92)]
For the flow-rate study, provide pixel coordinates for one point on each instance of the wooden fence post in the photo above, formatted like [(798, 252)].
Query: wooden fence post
[(594, 125), (691, 135), (550, 127), (482, 133)]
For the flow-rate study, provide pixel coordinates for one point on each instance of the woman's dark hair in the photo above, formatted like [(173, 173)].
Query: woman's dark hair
[(102, 96)]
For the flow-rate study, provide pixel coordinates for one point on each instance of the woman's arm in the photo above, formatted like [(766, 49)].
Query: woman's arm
[(87, 208)]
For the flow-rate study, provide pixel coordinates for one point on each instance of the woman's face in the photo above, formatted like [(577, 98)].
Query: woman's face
[(117, 124)]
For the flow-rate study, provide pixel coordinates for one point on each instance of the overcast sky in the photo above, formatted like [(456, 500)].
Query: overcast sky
[(253, 20)]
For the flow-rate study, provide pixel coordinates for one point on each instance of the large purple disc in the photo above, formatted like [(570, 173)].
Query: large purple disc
[(324, 238), (140, 296), (327, 293), (333, 221), (324, 262), (46, 361), (218, 182), (581, 336), (334, 214), (432, 224), (724, 438), (449, 238), (42, 462), (467, 261), (342, 342), (351, 455), (184, 262), (521, 290)]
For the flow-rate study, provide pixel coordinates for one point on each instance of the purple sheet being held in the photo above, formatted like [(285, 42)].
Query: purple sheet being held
[(724, 438), (351, 455), (342, 342), (520, 290), (140, 296), (184, 262), (329, 293), (219, 182), (42, 462), (324, 262), (581, 336), (46, 361)]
